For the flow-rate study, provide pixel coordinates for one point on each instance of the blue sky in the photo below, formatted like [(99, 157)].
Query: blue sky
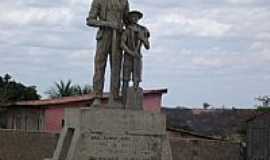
[(202, 50)]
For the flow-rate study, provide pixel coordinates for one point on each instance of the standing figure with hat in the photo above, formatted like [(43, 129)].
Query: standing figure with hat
[(133, 38), (109, 17)]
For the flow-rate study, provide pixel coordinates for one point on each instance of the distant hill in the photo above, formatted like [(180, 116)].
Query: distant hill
[(209, 122)]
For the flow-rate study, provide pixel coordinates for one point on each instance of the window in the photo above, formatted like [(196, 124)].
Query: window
[(63, 123)]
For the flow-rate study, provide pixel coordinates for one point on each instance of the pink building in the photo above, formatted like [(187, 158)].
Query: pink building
[(48, 115)]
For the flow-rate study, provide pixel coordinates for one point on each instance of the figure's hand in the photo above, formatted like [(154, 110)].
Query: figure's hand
[(87, 21), (116, 26), (137, 55), (100, 23), (133, 54), (147, 45)]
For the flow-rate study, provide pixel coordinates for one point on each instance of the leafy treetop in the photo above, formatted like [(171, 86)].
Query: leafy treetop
[(11, 91)]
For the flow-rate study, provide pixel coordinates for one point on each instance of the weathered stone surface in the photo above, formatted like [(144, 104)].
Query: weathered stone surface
[(115, 134), (109, 16), (122, 147), (21, 145), (134, 98), (201, 149), (258, 134)]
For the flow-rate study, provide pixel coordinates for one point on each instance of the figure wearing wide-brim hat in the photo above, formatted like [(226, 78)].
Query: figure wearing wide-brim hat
[(133, 38), (135, 13)]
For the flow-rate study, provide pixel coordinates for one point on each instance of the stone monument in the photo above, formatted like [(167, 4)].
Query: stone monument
[(109, 17), (115, 133), (133, 38)]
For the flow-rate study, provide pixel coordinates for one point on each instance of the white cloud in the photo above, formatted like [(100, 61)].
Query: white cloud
[(241, 1), (84, 56), (264, 36), (208, 62), (178, 22), (220, 22), (35, 16), (245, 22), (261, 50)]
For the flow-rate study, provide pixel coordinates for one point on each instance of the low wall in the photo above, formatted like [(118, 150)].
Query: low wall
[(196, 149), (19, 145)]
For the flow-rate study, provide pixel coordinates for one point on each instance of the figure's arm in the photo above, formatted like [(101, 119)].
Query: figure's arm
[(97, 23), (93, 18), (125, 47), (144, 35), (148, 44)]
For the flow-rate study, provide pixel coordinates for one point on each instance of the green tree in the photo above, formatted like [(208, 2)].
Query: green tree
[(11, 91), (206, 105), (78, 90), (66, 89)]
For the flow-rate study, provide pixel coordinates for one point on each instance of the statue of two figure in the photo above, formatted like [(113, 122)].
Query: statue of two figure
[(121, 38)]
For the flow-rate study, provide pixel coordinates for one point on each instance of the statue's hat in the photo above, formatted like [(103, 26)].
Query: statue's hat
[(135, 13)]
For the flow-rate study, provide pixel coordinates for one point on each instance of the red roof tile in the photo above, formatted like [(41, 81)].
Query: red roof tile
[(73, 99)]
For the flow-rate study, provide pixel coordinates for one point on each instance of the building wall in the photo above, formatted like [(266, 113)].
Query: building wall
[(152, 102), (19, 145), (54, 118), (25, 119), (259, 138), (199, 149), (54, 115), (50, 118), (189, 147)]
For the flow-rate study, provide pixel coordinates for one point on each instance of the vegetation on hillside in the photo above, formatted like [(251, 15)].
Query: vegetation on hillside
[(263, 109)]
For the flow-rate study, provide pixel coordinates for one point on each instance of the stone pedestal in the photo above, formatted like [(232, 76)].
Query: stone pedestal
[(113, 134), (134, 98)]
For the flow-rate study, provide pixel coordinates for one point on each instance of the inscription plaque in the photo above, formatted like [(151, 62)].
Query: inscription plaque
[(97, 146)]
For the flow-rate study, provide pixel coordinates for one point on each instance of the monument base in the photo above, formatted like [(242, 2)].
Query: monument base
[(113, 134), (134, 98)]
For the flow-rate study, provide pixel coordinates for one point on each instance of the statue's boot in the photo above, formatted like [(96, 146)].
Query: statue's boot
[(115, 102)]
